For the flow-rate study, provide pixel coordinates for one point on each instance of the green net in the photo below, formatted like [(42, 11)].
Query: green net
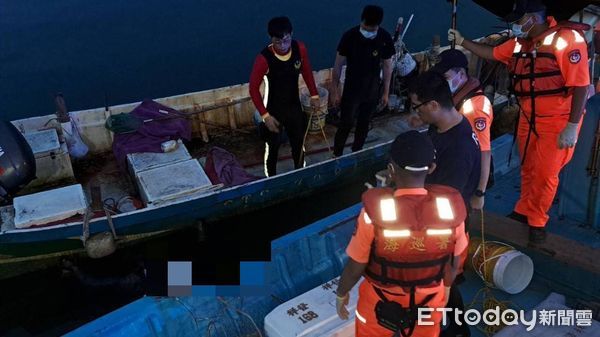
[(122, 123)]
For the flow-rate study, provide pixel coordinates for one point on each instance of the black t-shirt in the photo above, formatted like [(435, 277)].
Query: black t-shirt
[(363, 61), (458, 159)]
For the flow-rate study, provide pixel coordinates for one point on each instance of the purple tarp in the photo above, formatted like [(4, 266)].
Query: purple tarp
[(151, 134), (222, 167)]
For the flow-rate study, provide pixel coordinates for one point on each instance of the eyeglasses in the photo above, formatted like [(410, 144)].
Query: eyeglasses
[(415, 107), (286, 39)]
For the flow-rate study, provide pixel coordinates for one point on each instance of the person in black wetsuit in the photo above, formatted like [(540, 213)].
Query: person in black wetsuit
[(280, 64), (366, 50)]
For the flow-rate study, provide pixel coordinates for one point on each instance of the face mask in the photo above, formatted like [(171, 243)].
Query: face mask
[(283, 45), (367, 34), (453, 87), (518, 29)]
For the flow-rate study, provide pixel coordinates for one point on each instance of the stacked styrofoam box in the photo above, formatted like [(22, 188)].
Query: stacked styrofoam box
[(167, 176)]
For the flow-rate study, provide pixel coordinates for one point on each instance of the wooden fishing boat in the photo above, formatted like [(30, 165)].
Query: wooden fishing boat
[(230, 126)]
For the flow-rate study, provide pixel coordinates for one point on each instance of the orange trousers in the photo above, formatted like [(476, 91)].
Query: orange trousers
[(366, 322), (543, 162)]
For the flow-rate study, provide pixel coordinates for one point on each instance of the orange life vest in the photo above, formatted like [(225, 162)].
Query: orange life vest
[(414, 235), (533, 66)]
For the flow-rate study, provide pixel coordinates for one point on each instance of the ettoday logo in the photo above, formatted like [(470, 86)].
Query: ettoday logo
[(508, 317)]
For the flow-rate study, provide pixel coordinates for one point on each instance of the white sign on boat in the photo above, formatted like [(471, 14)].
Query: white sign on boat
[(312, 314)]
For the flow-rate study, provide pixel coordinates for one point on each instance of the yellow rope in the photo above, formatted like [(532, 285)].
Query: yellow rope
[(488, 300), (312, 111)]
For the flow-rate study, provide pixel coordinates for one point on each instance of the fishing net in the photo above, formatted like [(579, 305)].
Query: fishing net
[(123, 123)]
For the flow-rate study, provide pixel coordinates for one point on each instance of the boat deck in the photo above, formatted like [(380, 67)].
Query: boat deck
[(501, 198), (102, 170)]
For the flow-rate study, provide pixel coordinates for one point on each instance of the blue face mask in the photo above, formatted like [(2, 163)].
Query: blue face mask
[(367, 34), (517, 29)]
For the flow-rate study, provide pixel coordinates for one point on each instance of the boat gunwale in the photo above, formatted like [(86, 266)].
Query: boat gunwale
[(191, 197)]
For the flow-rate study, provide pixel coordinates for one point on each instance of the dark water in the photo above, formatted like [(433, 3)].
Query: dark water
[(50, 303), (137, 49)]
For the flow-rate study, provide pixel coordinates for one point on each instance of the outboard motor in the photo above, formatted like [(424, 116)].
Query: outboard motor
[(17, 163)]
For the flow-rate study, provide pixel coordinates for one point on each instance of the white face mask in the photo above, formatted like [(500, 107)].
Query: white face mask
[(517, 29), (367, 34), (454, 88)]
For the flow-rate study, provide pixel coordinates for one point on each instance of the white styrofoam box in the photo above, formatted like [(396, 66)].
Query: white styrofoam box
[(48, 206), (172, 181), (52, 159), (578, 325), (148, 160), (43, 142), (313, 314)]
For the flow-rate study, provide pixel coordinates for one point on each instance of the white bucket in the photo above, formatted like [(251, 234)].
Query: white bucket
[(503, 267), (513, 272), (317, 120)]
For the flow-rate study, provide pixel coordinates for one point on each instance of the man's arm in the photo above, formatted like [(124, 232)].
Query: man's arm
[(578, 104), (486, 161), (307, 73), (259, 70), (387, 77), (350, 276), (340, 61), (479, 49), (358, 251)]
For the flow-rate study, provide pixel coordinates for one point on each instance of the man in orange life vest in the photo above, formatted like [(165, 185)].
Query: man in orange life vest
[(406, 243), (548, 64), (470, 101)]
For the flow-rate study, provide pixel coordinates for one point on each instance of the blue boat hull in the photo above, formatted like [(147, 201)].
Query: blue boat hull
[(228, 202)]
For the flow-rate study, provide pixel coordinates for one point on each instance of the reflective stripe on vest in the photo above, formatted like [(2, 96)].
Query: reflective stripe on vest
[(414, 235), (547, 78)]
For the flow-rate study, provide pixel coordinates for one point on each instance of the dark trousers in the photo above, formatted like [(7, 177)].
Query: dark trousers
[(350, 111), (293, 122), (455, 301)]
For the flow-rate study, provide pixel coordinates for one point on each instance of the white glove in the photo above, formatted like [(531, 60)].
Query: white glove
[(455, 35), (568, 136)]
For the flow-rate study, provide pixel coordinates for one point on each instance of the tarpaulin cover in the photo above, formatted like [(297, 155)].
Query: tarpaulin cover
[(223, 168), (150, 135)]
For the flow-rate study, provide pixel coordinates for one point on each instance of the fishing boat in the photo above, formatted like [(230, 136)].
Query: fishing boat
[(231, 126)]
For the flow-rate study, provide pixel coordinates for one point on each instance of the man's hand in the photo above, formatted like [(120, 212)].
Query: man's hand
[(272, 124), (414, 121), (446, 295), (383, 103), (455, 35), (340, 306), (568, 136), (334, 95), (477, 202), (315, 102)]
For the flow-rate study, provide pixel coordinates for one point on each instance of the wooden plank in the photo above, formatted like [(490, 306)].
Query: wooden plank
[(562, 249)]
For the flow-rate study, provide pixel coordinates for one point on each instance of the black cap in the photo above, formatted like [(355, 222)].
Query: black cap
[(413, 151), (521, 7), (451, 58)]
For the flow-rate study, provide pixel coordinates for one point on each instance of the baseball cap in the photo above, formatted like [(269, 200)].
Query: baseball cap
[(413, 151), (451, 58), (521, 7)]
